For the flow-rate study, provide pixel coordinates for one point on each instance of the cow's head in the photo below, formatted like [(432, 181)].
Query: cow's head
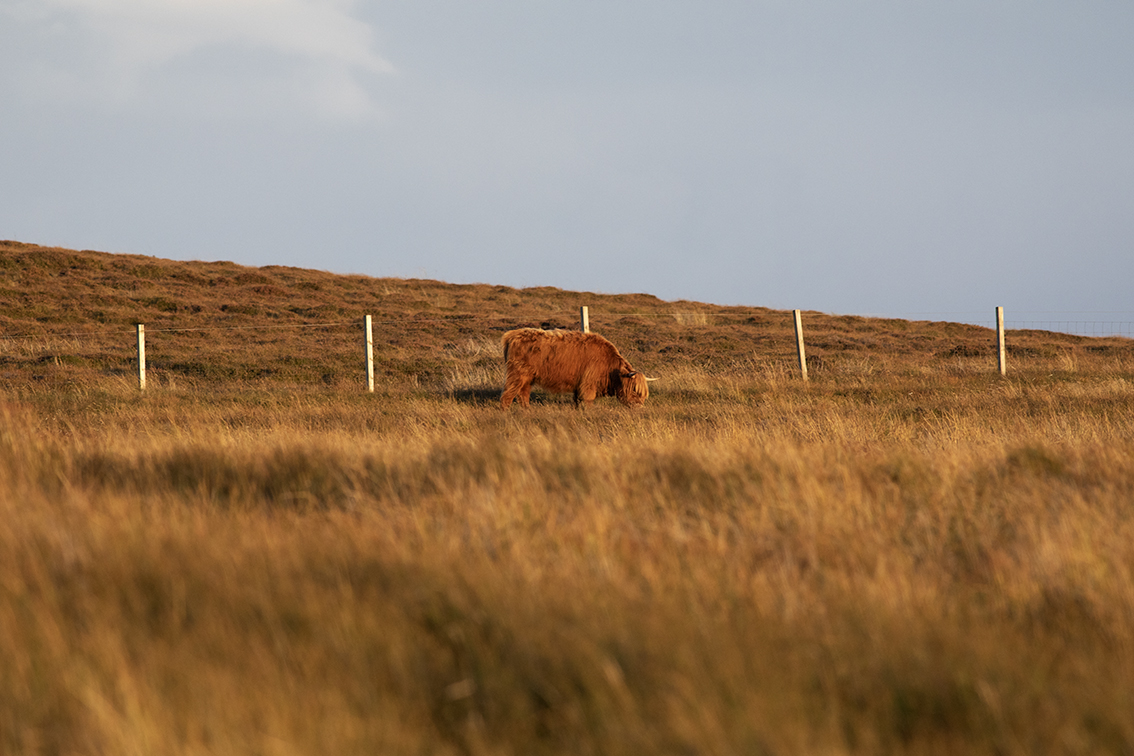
[(634, 388)]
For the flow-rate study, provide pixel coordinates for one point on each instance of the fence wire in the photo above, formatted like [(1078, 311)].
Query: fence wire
[(687, 318), (151, 329), (1096, 328), (1100, 324)]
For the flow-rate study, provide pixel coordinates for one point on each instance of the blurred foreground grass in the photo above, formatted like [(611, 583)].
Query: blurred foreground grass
[(921, 561)]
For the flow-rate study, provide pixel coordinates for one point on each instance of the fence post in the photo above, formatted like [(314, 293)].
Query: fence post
[(1001, 357), (584, 319), (369, 355), (141, 356), (799, 343)]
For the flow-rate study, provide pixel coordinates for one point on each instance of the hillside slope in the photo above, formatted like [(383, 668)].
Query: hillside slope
[(67, 314)]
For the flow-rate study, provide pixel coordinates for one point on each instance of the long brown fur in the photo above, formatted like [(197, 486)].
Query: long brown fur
[(584, 364)]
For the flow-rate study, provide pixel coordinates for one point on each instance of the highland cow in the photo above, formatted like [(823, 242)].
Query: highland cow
[(585, 364)]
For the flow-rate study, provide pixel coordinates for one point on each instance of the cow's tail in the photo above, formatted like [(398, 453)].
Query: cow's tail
[(506, 340)]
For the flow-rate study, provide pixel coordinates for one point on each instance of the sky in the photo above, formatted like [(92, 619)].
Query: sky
[(914, 158)]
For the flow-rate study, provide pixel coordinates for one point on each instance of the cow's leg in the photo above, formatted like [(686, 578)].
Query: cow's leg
[(516, 385), (585, 397), (510, 392)]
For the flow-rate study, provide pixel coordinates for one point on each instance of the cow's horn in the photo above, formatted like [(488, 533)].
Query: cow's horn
[(648, 378)]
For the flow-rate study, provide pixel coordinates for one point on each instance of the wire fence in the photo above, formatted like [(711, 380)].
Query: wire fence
[(78, 340), (1075, 323), (56, 345), (1095, 328), (91, 332)]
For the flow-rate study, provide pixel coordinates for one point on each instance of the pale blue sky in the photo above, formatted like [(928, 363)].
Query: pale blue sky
[(892, 158)]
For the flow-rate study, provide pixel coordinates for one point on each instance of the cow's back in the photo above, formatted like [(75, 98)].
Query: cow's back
[(520, 342), (541, 355)]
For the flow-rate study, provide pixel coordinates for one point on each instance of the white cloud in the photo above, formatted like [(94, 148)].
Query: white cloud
[(313, 53)]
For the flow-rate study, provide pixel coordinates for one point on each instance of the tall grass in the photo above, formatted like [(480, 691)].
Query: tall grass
[(892, 558)]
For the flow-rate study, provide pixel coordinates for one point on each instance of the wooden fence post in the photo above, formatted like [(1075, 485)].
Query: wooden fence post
[(584, 319), (141, 357), (369, 355), (1001, 356), (799, 344)]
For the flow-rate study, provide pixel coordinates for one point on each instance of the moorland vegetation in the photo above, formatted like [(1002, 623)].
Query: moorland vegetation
[(907, 554)]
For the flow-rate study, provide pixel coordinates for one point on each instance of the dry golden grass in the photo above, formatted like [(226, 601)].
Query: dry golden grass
[(909, 554)]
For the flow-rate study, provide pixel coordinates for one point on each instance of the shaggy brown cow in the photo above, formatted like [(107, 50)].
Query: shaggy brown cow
[(584, 363)]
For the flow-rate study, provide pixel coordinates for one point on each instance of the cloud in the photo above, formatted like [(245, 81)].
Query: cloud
[(313, 53)]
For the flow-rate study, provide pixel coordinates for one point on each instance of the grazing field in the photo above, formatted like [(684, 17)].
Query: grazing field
[(908, 554)]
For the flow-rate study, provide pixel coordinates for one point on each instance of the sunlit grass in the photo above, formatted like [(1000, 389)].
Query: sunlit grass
[(886, 559), (906, 554)]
